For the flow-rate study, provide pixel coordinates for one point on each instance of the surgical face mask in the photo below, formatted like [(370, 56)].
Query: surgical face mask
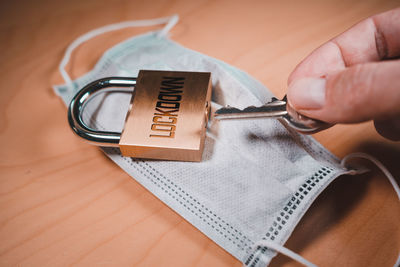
[(256, 179)]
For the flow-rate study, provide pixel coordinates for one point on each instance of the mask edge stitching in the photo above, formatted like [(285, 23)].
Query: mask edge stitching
[(246, 247), (214, 222), (243, 240), (297, 198)]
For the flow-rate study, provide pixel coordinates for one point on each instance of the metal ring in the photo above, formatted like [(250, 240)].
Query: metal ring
[(301, 123), (78, 103)]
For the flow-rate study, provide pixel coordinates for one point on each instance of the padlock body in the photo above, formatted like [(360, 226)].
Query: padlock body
[(168, 116)]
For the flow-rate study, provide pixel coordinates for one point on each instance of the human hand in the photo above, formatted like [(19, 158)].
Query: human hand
[(354, 77)]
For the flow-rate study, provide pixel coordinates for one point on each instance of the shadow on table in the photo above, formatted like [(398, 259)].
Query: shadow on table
[(339, 199)]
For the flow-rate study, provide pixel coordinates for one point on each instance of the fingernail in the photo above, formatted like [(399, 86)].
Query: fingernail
[(307, 93)]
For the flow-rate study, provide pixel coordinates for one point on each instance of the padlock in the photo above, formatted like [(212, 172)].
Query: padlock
[(167, 118)]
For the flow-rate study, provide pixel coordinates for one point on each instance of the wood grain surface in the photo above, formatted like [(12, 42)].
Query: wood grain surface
[(63, 202)]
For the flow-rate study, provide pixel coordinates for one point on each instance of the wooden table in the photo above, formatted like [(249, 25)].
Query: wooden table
[(63, 202)]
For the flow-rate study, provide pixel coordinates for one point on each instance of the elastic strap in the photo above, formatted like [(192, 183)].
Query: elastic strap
[(385, 172), (296, 257), (377, 163), (281, 249), (169, 21)]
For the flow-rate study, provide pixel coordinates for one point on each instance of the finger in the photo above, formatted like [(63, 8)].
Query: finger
[(358, 93), (371, 40), (389, 128)]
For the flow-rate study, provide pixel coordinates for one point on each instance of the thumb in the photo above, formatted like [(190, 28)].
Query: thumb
[(357, 93)]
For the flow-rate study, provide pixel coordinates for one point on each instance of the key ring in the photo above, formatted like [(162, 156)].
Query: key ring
[(301, 123)]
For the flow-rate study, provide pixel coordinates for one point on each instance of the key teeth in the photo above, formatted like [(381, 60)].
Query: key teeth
[(250, 109), (227, 109), (275, 106)]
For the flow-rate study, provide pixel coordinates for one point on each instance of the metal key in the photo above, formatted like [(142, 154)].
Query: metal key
[(279, 109)]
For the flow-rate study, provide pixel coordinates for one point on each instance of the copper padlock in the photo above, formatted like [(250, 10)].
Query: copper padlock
[(167, 119)]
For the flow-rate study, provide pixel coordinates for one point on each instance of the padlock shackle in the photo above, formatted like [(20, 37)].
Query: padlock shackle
[(79, 101)]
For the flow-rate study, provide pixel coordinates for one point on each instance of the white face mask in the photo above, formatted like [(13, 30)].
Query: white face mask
[(256, 179)]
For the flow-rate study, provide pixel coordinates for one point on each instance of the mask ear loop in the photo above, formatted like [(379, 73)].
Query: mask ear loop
[(169, 21), (281, 249), (378, 164), (385, 172), (287, 252)]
